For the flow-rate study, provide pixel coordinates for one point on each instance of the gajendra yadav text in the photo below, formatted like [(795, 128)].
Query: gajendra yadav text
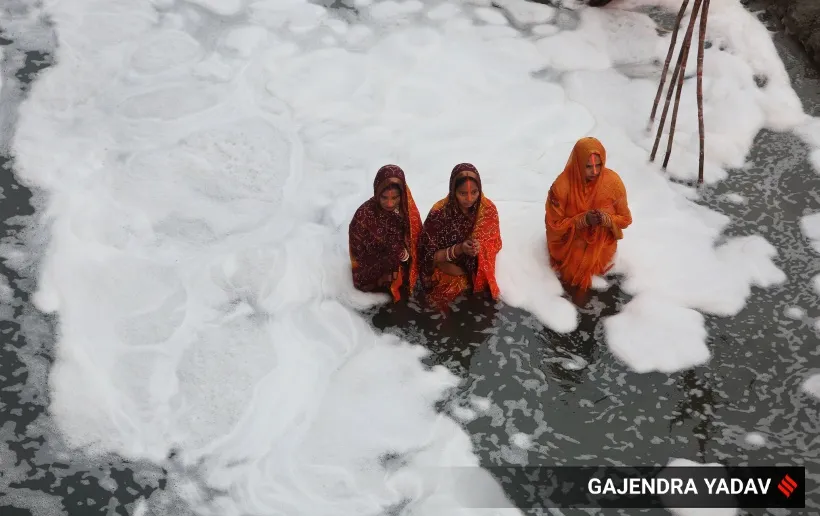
[(681, 486)]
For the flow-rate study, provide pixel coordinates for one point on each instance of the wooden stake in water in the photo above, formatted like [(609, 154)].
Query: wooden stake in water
[(677, 77), (676, 83), (701, 50), (668, 60), (684, 58)]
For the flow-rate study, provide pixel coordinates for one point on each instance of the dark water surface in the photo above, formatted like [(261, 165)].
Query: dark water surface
[(579, 404)]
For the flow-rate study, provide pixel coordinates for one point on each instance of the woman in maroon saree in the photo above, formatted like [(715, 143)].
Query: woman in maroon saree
[(383, 237), (460, 240)]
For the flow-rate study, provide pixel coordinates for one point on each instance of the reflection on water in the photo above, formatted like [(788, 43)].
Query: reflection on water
[(696, 408), (453, 337)]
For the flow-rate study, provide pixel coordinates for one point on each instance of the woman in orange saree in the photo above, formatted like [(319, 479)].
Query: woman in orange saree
[(383, 237), (460, 240), (587, 212)]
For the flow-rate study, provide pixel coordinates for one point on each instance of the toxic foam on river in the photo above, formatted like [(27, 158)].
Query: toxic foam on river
[(203, 160)]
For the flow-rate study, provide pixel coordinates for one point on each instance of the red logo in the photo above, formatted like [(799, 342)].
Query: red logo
[(787, 486)]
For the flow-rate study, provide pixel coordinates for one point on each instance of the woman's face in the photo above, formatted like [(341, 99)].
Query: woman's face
[(593, 168), (390, 198), (467, 194)]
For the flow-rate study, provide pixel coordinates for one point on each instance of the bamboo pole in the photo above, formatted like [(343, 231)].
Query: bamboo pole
[(677, 76), (701, 50), (676, 83), (687, 44), (668, 60)]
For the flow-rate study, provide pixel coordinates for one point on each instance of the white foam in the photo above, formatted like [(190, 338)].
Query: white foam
[(6, 292), (198, 258), (811, 386), (521, 440), (525, 277), (245, 40), (481, 404), (545, 30), (725, 273), (221, 7), (165, 50), (463, 414), (140, 507), (678, 511), (704, 511), (735, 198), (391, 9), (794, 312), (814, 159), (524, 12), (491, 16), (810, 225), (755, 439), (652, 334), (686, 191), (809, 131), (443, 12), (600, 284)]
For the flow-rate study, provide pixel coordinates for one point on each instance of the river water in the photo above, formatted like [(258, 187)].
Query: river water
[(576, 403)]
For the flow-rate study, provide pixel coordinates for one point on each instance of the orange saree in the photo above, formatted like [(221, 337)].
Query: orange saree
[(577, 251), (446, 225), (378, 238)]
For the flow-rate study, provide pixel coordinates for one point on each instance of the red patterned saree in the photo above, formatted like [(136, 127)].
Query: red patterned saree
[(379, 239), (447, 225)]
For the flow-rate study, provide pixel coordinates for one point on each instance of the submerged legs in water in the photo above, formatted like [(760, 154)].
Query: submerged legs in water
[(578, 295)]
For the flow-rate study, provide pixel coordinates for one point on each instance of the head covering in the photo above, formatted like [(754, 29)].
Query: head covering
[(464, 170), (386, 176), (582, 193)]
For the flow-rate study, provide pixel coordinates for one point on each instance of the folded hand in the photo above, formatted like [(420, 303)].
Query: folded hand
[(593, 218), (470, 247), (604, 219)]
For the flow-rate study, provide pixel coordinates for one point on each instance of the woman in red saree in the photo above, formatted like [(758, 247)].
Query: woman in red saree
[(383, 237), (460, 240), (587, 212)]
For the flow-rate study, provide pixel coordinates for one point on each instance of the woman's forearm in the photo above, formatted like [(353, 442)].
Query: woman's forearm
[(454, 252)]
